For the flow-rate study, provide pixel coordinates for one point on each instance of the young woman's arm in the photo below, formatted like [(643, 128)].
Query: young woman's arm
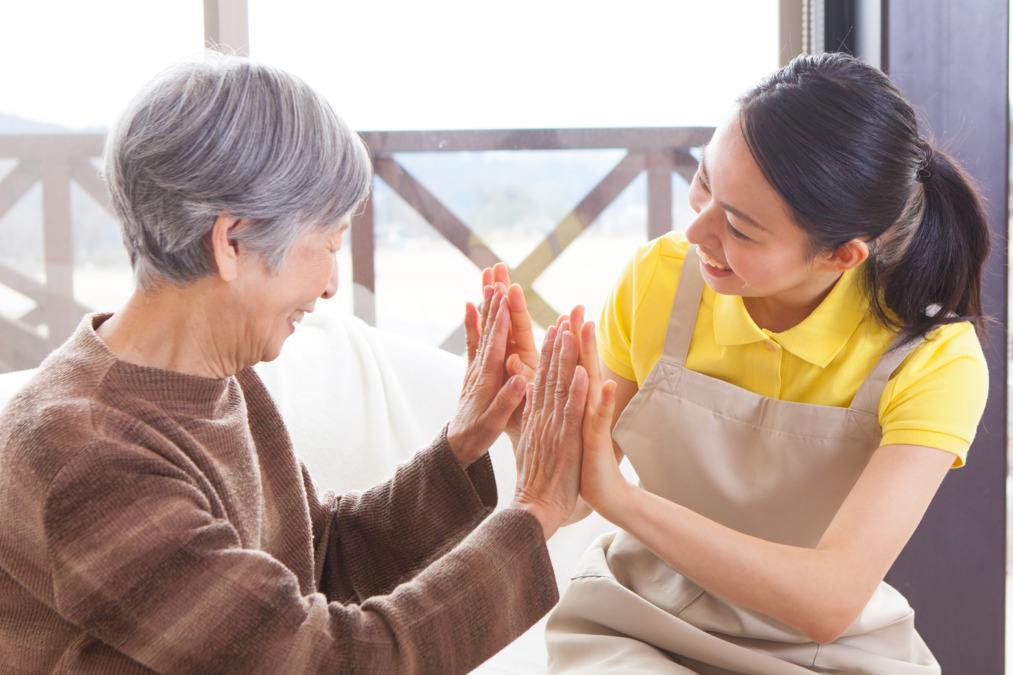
[(820, 591)]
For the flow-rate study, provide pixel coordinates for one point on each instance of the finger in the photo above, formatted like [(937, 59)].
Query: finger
[(590, 360), (522, 449), (493, 352), (501, 273), (520, 325), (598, 423), (577, 319), (565, 368), (482, 330), (471, 333), (573, 412), (544, 363), (487, 292), (516, 366), (503, 405), (552, 372), (529, 396), (564, 327), (487, 277), (486, 370), (490, 309)]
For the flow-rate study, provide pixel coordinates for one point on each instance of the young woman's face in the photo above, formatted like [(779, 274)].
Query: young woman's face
[(749, 244)]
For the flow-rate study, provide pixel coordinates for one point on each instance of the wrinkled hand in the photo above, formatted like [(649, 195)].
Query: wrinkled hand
[(522, 352), (548, 451), (487, 402)]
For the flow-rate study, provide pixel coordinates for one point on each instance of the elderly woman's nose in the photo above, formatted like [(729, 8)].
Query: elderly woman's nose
[(332, 281)]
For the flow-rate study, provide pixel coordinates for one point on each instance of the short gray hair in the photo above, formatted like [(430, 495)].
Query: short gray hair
[(222, 135)]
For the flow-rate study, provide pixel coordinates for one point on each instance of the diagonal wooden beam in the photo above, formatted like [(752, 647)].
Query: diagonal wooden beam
[(568, 229), (17, 183), (25, 286), (30, 288), (579, 219), (434, 212), (20, 347), (685, 165), (86, 175)]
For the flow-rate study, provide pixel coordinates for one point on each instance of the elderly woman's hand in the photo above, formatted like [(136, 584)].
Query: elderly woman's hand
[(487, 402), (549, 450), (521, 351)]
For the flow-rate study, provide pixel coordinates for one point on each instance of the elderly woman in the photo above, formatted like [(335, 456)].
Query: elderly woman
[(153, 516)]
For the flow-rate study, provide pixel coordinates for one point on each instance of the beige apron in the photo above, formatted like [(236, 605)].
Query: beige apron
[(774, 469)]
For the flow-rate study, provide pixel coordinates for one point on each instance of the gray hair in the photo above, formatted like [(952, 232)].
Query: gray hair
[(222, 135)]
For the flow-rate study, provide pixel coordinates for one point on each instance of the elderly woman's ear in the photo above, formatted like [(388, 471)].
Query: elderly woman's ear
[(225, 248)]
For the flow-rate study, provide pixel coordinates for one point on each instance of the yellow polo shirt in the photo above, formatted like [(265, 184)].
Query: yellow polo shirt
[(935, 398)]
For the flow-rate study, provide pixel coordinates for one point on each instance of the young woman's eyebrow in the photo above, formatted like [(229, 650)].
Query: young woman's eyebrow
[(702, 169)]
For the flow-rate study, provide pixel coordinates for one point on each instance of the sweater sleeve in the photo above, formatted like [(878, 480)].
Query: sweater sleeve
[(377, 539), (141, 562)]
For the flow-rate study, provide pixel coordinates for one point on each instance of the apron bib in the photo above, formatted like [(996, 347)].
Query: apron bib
[(777, 470)]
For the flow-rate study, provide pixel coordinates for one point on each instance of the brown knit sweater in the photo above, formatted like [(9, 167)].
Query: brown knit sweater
[(154, 521)]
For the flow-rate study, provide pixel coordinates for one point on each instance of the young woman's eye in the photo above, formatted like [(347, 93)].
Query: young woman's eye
[(736, 233)]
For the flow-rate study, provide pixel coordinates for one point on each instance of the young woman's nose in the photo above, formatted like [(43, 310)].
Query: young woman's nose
[(705, 226)]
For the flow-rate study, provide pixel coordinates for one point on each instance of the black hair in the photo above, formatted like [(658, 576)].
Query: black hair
[(840, 144)]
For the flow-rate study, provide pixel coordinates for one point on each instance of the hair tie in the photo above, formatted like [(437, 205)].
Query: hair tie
[(928, 163)]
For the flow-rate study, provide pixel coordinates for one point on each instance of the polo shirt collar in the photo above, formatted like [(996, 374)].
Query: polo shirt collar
[(817, 339)]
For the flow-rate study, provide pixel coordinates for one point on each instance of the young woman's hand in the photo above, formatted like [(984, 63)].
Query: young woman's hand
[(602, 483)]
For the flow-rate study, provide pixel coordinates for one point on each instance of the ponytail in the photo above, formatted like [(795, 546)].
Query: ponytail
[(932, 276), (840, 144)]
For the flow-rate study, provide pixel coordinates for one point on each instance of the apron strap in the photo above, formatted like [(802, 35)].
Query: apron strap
[(686, 305), (871, 390), (684, 309)]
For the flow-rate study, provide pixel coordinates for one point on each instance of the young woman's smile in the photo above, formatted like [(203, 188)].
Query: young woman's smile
[(749, 244)]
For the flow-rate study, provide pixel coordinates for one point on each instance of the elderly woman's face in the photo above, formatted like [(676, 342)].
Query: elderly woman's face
[(273, 304)]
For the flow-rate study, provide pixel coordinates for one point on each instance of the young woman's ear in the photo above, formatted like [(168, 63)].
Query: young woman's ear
[(224, 248), (848, 255)]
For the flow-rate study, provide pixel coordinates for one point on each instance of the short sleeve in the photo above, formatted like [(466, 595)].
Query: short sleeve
[(937, 396), (616, 323), (631, 332)]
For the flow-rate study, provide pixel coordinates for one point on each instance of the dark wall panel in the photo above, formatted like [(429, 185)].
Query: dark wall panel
[(951, 60)]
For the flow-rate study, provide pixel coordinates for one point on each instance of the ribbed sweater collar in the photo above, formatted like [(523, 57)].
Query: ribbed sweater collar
[(178, 393)]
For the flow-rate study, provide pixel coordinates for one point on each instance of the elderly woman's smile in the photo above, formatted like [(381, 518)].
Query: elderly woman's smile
[(270, 304)]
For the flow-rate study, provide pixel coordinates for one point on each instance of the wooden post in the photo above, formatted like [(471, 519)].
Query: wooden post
[(660, 166), (364, 264), (58, 241)]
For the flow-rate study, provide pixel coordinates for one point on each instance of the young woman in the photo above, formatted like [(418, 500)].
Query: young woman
[(794, 378)]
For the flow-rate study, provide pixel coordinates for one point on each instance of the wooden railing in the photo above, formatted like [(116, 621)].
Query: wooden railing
[(56, 161), (659, 152)]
